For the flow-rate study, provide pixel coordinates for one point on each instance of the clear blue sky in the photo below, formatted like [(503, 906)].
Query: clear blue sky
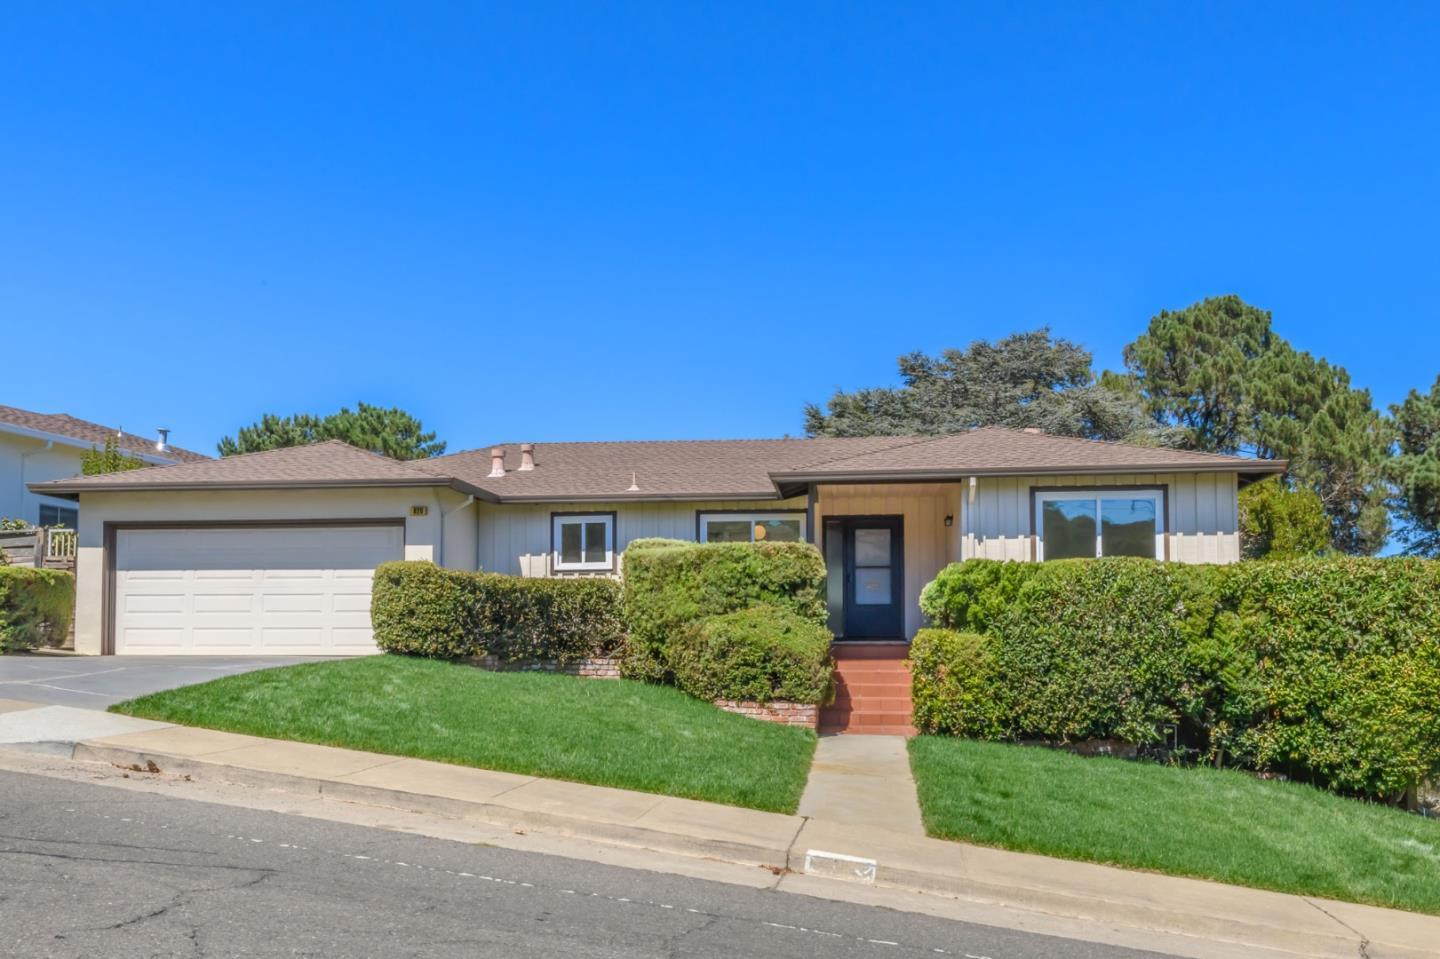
[(545, 222)]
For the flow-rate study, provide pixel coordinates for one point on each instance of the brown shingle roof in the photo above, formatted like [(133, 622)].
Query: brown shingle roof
[(692, 469), (328, 464), (63, 424), (995, 449), (674, 469)]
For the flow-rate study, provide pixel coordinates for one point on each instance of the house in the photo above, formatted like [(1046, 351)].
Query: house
[(273, 552), (35, 447)]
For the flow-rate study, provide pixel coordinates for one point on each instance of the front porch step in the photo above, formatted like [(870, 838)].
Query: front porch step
[(872, 690)]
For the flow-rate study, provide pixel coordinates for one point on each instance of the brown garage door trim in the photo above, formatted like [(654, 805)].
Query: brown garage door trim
[(108, 540)]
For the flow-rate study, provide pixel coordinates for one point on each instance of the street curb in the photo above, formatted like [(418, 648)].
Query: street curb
[(479, 811), (1152, 917)]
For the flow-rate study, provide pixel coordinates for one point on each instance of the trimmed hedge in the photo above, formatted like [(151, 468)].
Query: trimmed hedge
[(36, 606), (421, 609), (670, 584), (955, 684), (1323, 669), (762, 653), (972, 596)]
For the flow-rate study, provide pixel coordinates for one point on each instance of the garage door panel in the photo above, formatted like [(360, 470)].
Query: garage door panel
[(293, 602), (223, 603), (298, 590), (154, 603)]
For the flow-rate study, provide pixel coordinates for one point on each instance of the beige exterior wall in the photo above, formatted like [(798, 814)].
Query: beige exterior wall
[(1201, 522), (25, 460), (424, 537), (929, 545), (515, 538)]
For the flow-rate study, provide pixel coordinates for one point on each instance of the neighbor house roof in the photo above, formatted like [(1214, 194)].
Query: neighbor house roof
[(677, 469), (66, 429), (327, 465)]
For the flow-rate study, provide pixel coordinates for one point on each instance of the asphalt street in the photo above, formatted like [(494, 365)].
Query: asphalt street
[(89, 870)]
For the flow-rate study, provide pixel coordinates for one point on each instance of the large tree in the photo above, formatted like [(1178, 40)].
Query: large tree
[(1218, 373), (1416, 470), (1026, 379), (391, 432)]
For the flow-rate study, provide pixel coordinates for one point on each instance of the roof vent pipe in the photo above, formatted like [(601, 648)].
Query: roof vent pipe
[(527, 456), (164, 440), (497, 462)]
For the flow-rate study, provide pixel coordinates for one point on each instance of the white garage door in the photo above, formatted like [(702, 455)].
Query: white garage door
[(291, 590)]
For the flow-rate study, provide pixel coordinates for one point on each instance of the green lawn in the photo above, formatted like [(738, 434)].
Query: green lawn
[(604, 732), (1211, 824)]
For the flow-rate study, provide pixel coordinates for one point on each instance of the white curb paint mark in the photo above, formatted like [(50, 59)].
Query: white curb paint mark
[(837, 865)]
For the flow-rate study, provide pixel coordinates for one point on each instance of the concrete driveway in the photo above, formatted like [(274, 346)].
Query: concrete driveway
[(96, 682)]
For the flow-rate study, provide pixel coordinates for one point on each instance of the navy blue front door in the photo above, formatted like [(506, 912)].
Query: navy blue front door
[(874, 575)]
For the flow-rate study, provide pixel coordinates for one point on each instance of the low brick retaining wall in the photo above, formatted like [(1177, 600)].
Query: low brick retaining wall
[(786, 714), (604, 667)]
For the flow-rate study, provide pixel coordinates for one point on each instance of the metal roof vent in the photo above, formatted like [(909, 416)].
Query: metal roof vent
[(527, 456), (163, 442), (634, 486), (497, 462)]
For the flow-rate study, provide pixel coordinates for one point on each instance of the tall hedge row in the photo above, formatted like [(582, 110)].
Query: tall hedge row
[(1326, 669), (670, 584), (36, 606), (424, 610)]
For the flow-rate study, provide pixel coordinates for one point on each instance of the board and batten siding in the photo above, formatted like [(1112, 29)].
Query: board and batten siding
[(515, 538), (1201, 523), (929, 545)]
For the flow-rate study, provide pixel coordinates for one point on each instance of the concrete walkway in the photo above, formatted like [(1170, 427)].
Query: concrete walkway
[(863, 781), (1264, 923)]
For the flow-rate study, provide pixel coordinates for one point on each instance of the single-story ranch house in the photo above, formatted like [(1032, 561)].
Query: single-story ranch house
[(273, 552)]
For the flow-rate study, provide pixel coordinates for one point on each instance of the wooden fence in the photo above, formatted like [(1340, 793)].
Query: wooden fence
[(49, 548)]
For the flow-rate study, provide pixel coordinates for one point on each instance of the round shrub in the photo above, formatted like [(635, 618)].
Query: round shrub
[(36, 606), (973, 595), (763, 653), (669, 585), (955, 685)]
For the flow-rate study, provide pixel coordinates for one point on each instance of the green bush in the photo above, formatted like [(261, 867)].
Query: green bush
[(1323, 669), (36, 606), (1277, 522), (1347, 655), (670, 584), (954, 685), (763, 653), (1096, 649), (973, 595), (423, 610)]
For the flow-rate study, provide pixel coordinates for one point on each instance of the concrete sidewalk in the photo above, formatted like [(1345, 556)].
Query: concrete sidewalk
[(861, 781), (1210, 911)]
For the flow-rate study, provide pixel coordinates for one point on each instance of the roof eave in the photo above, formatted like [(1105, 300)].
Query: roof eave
[(68, 490), (641, 497), (881, 476)]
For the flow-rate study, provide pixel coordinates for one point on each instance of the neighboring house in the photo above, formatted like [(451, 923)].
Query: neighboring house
[(35, 447), (273, 552)]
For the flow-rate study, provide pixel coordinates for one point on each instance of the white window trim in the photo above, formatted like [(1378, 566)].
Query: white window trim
[(1156, 496), (724, 517), (561, 519)]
